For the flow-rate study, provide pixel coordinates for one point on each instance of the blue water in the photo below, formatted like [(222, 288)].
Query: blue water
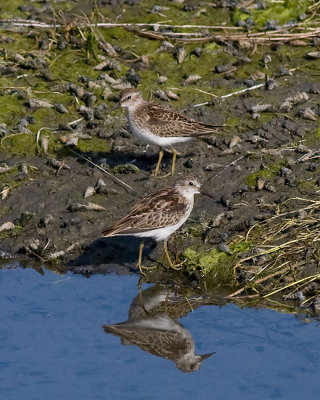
[(52, 346)]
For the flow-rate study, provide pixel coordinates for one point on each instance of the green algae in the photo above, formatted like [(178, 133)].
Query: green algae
[(268, 173), (282, 13), (11, 233), (214, 264), (95, 144)]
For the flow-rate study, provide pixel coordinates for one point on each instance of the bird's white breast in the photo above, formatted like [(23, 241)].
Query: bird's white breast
[(146, 136)]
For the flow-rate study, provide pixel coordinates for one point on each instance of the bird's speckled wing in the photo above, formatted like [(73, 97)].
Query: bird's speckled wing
[(157, 210), (166, 122), (163, 343)]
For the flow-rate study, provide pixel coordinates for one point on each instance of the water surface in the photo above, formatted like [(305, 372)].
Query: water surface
[(53, 346)]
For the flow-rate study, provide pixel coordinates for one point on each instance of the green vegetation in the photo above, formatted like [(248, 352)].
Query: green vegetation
[(282, 13), (214, 264), (269, 172)]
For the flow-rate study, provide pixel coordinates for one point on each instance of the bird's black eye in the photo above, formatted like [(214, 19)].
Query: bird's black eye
[(191, 183), (129, 97), (192, 366)]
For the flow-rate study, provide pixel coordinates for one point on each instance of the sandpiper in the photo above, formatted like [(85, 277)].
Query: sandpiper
[(162, 336), (158, 215), (161, 126)]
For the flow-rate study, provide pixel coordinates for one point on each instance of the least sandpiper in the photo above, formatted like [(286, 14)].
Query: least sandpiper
[(161, 126), (162, 336), (158, 215)]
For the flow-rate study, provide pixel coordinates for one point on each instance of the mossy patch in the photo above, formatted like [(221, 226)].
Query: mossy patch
[(282, 13), (268, 173), (214, 263), (95, 144), (11, 233)]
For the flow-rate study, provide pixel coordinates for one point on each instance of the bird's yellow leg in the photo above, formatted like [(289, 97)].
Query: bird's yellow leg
[(174, 156), (166, 252), (140, 258), (156, 171)]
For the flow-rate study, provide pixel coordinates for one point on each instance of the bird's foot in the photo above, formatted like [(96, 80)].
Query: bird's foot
[(142, 268)]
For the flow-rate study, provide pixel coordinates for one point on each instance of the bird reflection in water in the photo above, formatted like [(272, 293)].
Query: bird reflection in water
[(153, 327)]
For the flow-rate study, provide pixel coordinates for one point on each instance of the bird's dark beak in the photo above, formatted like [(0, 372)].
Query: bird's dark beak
[(205, 356), (115, 107), (207, 194)]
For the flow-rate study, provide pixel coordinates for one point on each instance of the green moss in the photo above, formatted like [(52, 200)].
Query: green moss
[(282, 13), (10, 109), (214, 263), (11, 233), (268, 173), (95, 144)]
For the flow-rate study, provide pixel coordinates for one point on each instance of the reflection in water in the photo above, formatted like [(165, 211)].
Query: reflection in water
[(152, 326)]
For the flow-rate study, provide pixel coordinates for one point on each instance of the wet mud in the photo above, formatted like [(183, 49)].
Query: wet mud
[(61, 146)]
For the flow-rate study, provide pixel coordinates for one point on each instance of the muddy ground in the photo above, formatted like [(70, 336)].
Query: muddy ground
[(56, 121)]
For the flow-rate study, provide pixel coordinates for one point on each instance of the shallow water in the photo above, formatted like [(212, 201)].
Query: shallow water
[(53, 346)]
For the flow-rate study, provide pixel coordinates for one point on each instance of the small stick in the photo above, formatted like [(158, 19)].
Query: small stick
[(102, 169), (231, 94)]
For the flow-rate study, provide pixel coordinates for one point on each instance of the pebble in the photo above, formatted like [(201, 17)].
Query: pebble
[(90, 191), (162, 95), (271, 84), (133, 78), (60, 108), (5, 192), (171, 95), (85, 207), (90, 99), (284, 172), (260, 108), (180, 54), (190, 79), (162, 79), (101, 187), (7, 226), (313, 55), (37, 103), (197, 51), (86, 112), (225, 248), (309, 114), (220, 69)]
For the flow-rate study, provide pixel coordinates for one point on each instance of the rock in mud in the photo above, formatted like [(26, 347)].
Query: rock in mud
[(162, 95), (191, 79), (60, 108), (90, 191), (313, 55), (7, 226), (309, 114), (180, 54), (85, 207)]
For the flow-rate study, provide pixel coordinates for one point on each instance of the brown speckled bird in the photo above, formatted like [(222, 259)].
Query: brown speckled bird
[(162, 336), (161, 126), (158, 215)]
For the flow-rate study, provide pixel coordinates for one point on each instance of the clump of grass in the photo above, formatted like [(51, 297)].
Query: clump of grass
[(285, 259)]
